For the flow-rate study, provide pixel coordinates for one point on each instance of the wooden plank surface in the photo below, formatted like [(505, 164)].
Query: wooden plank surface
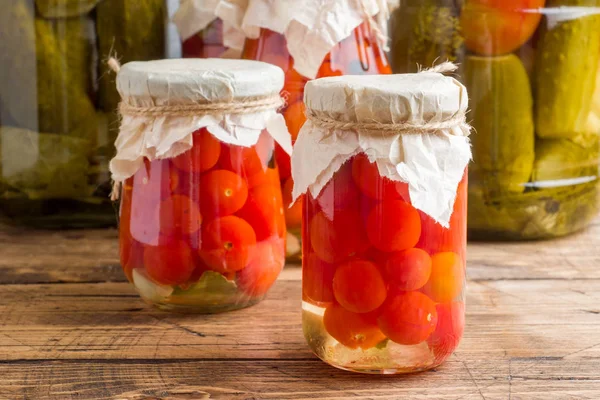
[(72, 328)]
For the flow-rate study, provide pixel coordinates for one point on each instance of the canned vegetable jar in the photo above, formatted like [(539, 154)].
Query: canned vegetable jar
[(383, 163), (532, 71), (202, 227)]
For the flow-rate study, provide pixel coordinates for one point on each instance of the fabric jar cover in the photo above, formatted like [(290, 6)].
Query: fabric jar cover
[(165, 101), (413, 126)]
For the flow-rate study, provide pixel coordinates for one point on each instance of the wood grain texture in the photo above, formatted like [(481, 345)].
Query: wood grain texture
[(70, 328)]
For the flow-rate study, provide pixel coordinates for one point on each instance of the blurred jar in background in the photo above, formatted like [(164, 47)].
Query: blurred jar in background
[(532, 71), (58, 104), (348, 41)]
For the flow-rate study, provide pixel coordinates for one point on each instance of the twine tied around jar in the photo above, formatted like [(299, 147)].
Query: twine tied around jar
[(457, 119), (233, 107)]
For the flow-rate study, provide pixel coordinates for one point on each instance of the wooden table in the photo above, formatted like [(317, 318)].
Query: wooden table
[(72, 328)]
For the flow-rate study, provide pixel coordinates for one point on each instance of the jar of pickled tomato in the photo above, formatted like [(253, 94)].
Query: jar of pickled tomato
[(201, 220), (383, 162), (203, 33), (308, 44)]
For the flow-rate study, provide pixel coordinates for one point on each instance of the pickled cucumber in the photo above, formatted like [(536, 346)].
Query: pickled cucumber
[(44, 165), (566, 70), (424, 31), (131, 30), (64, 8), (501, 112), (559, 161)]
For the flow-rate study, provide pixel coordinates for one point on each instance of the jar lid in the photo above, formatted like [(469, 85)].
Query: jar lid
[(387, 99), (193, 81)]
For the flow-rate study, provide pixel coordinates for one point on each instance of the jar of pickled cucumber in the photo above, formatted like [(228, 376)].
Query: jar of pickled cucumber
[(382, 162), (58, 104), (532, 71), (203, 33), (201, 221), (309, 43)]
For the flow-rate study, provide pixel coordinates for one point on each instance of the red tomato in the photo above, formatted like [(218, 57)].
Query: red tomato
[(358, 286), (350, 329), (449, 329), (408, 318), (408, 269), (169, 264), (264, 211), (227, 244), (334, 240), (283, 162), (179, 215), (495, 27), (317, 280), (244, 161), (393, 226), (203, 155), (367, 178), (260, 274), (447, 277), (222, 193)]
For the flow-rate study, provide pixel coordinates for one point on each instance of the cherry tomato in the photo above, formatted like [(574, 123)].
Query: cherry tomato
[(295, 118), (393, 226), (264, 211), (367, 178), (179, 215), (170, 263), (351, 329), (260, 274), (340, 192), (244, 161), (448, 331), (495, 27), (268, 177), (408, 269), (222, 193), (227, 244), (334, 240), (408, 318), (447, 277), (317, 280), (283, 162), (358, 286), (203, 155), (293, 215)]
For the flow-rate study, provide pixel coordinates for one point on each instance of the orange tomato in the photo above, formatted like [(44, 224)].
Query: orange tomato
[(293, 215), (227, 244), (260, 274), (367, 178), (264, 211), (268, 177), (317, 280), (222, 193), (351, 329), (495, 27), (408, 269), (203, 155), (408, 318), (334, 240), (179, 215), (448, 331), (170, 263), (295, 118), (447, 277), (393, 226), (358, 286)]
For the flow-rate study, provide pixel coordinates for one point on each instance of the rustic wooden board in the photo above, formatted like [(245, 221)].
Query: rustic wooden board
[(71, 328)]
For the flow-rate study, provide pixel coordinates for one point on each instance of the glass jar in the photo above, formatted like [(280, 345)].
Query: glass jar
[(532, 75), (382, 279), (201, 230), (57, 123), (358, 54), (208, 43)]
